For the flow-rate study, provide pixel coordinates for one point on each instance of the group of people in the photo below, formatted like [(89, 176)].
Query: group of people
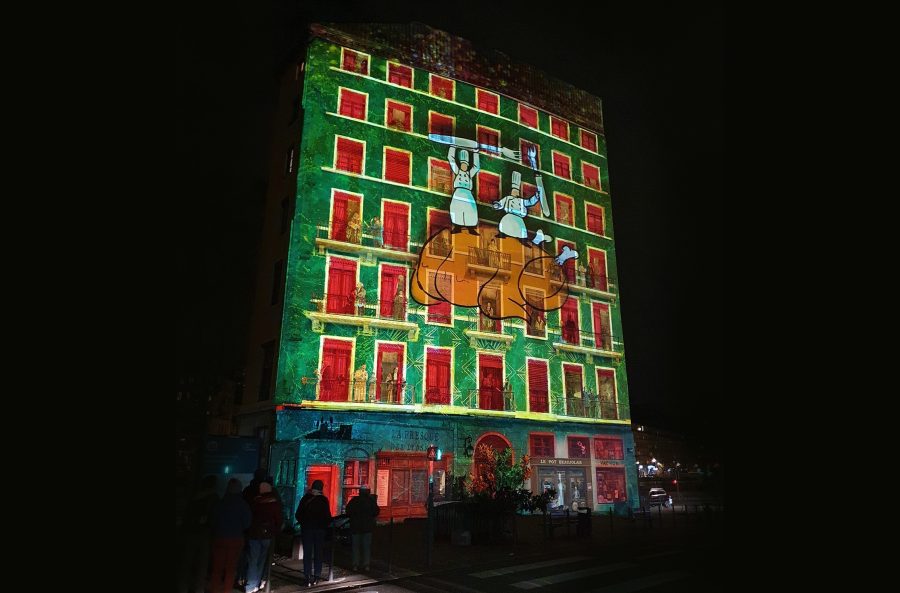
[(229, 536), (355, 230), (314, 516)]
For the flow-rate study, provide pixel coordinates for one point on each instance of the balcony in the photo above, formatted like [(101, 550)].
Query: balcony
[(539, 402), (584, 341), (487, 398), (487, 262), (590, 406), (368, 314), (370, 244), (342, 390), (598, 286)]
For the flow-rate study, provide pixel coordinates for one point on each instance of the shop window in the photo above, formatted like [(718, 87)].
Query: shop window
[(608, 449), (579, 448), (542, 445), (356, 474), (611, 485)]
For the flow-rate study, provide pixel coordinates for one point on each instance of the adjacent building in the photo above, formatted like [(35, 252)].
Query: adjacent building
[(416, 284)]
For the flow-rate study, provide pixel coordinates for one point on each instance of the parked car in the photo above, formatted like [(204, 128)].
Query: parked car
[(658, 496)]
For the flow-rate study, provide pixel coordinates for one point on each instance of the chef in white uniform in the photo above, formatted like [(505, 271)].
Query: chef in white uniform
[(516, 208), (463, 211)]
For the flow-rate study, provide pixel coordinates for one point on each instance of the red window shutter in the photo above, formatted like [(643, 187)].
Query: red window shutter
[(597, 261), (537, 386), (438, 219), (560, 128), (488, 137), (382, 349), (437, 380), (353, 104), (591, 175), (564, 212), (396, 166), (588, 141), (488, 187), (528, 116), (349, 61), (601, 332), (401, 75), (389, 288), (339, 218), (341, 284), (395, 225), (569, 317), (595, 219), (487, 102), (561, 166), (441, 124), (441, 177), (440, 313), (335, 369), (442, 87), (350, 155)]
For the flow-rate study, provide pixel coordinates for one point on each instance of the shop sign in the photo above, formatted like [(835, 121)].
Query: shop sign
[(558, 461)]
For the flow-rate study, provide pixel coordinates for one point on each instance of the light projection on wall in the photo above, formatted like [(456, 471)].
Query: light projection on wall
[(504, 271)]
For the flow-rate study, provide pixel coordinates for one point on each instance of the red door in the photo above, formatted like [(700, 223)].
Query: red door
[(341, 284), (345, 206), (335, 371), (568, 317), (389, 373), (395, 225), (490, 383), (537, 386), (391, 278), (328, 475), (597, 261), (601, 326), (573, 386), (437, 377)]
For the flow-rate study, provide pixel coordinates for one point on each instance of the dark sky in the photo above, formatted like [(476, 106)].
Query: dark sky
[(659, 72)]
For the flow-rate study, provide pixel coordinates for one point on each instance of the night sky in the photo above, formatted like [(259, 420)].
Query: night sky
[(659, 72)]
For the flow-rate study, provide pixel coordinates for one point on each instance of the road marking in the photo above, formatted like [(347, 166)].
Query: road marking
[(642, 583), (571, 576), (520, 567)]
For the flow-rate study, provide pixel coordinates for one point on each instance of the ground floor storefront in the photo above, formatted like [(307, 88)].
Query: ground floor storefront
[(588, 465)]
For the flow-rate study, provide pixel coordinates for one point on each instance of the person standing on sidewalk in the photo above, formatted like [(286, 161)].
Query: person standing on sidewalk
[(362, 511), (266, 524), (314, 515), (195, 533), (231, 518)]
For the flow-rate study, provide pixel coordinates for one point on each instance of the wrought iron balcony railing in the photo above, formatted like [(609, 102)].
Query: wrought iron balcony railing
[(489, 258), (349, 304), (363, 392), (488, 398), (367, 236)]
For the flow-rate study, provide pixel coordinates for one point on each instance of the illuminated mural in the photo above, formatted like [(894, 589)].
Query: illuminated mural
[(469, 267)]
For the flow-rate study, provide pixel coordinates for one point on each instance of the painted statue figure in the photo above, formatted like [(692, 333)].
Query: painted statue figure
[(560, 501), (513, 222), (360, 378), (463, 211)]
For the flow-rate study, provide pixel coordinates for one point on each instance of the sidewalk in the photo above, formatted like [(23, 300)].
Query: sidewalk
[(400, 552)]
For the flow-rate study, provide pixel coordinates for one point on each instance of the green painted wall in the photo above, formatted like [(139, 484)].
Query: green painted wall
[(306, 270)]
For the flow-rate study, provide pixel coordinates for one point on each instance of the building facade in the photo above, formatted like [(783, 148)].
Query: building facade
[(442, 273)]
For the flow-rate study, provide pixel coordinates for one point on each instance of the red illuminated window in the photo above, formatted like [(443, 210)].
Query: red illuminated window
[(488, 136), (345, 207), (608, 449), (569, 265), (355, 62), (591, 175), (597, 263), (488, 101), (397, 165), (538, 392), (569, 320), (594, 219), (528, 116), (440, 124), (439, 222), (398, 116), (565, 209), (606, 392), (559, 128), (488, 187), (579, 448), (442, 87), (589, 140), (399, 74), (437, 376), (562, 165), (611, 485), (393, 280), (490, 382), (335, 369), (527, 191), (602, 337), (541, 445), (349, 155), (353, 104)]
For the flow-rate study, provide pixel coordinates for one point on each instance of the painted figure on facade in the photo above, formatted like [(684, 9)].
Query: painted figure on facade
[(354, 229), (360, 378), (399, 307), (376, 229), (360, 298), (581, 274), (463, 211), (487, 323), (560, 501), (513, 222)]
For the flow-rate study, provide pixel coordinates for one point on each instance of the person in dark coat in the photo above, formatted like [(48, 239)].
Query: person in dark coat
[(314, 515), (249, 494), (230, 519), (195, 533), (266, 525), (362, 511)]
